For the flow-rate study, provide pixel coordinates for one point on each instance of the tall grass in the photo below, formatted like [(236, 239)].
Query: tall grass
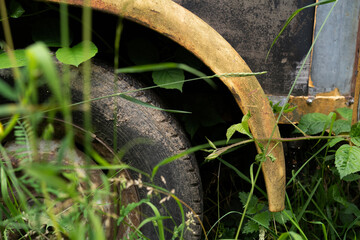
[(41, 197)]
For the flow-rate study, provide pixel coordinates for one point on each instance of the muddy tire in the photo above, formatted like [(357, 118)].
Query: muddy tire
[(154, 135)]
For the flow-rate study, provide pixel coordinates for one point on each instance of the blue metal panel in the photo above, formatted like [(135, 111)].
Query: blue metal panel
[(334, 52)]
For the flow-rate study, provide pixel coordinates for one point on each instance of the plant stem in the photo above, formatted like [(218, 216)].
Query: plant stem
[(218, 199), (253, 181)]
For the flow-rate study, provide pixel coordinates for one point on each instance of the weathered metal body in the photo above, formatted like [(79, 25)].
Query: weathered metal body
[(251, 26), (210, 29)]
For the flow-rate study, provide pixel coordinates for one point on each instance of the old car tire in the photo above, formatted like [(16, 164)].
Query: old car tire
[(160, 134), (153, 136)]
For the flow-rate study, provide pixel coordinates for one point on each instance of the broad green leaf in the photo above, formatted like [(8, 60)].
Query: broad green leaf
[(346, 113), (271, 157), (351, 208), (15, 9), (76, 55), (260, 157), (243, 196), (242, 127), (280, 217), (262, 218), (169, 78), (355, 130), (351, 177), (347, 160), (232, 129), (125, 210), (277, 108), (355, 134), (334, 141), (211, 143), (341, 126), (250, 227), (254, 205), (19, 56), (313, 123), (244, 121), (356, 141), (335, 195)]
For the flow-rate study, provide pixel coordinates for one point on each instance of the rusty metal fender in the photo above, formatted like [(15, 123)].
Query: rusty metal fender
[(188, 30)]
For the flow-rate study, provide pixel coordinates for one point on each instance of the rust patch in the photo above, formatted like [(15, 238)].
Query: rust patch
[(319, 104), (333, 93)]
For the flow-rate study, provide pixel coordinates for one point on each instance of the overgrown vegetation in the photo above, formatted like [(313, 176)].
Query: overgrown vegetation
[(322, 196), (47, 194)]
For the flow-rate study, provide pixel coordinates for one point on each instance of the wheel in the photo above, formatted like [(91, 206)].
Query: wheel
[(153, 136)]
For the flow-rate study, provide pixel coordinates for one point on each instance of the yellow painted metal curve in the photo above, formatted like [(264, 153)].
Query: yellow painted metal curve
[(188, 30)]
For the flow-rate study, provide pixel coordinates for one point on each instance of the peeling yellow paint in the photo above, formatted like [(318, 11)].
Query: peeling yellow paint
[(311, 83), (334, 93), (319, 104)]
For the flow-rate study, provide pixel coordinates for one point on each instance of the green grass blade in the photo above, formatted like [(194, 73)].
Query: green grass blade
[(294, 222), (5, 193), (39, 54), (164, 66), (151, 219), (176, 156), (7, 91), (242, 176), (137, 101), (322, 213), (355, 222), (182, 216), (322, 227), (10, 109), (159, 220), (312, 157), (310, 196), (225, 215), (186, 152), (97, 229), (147, 68), (290, 235)]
